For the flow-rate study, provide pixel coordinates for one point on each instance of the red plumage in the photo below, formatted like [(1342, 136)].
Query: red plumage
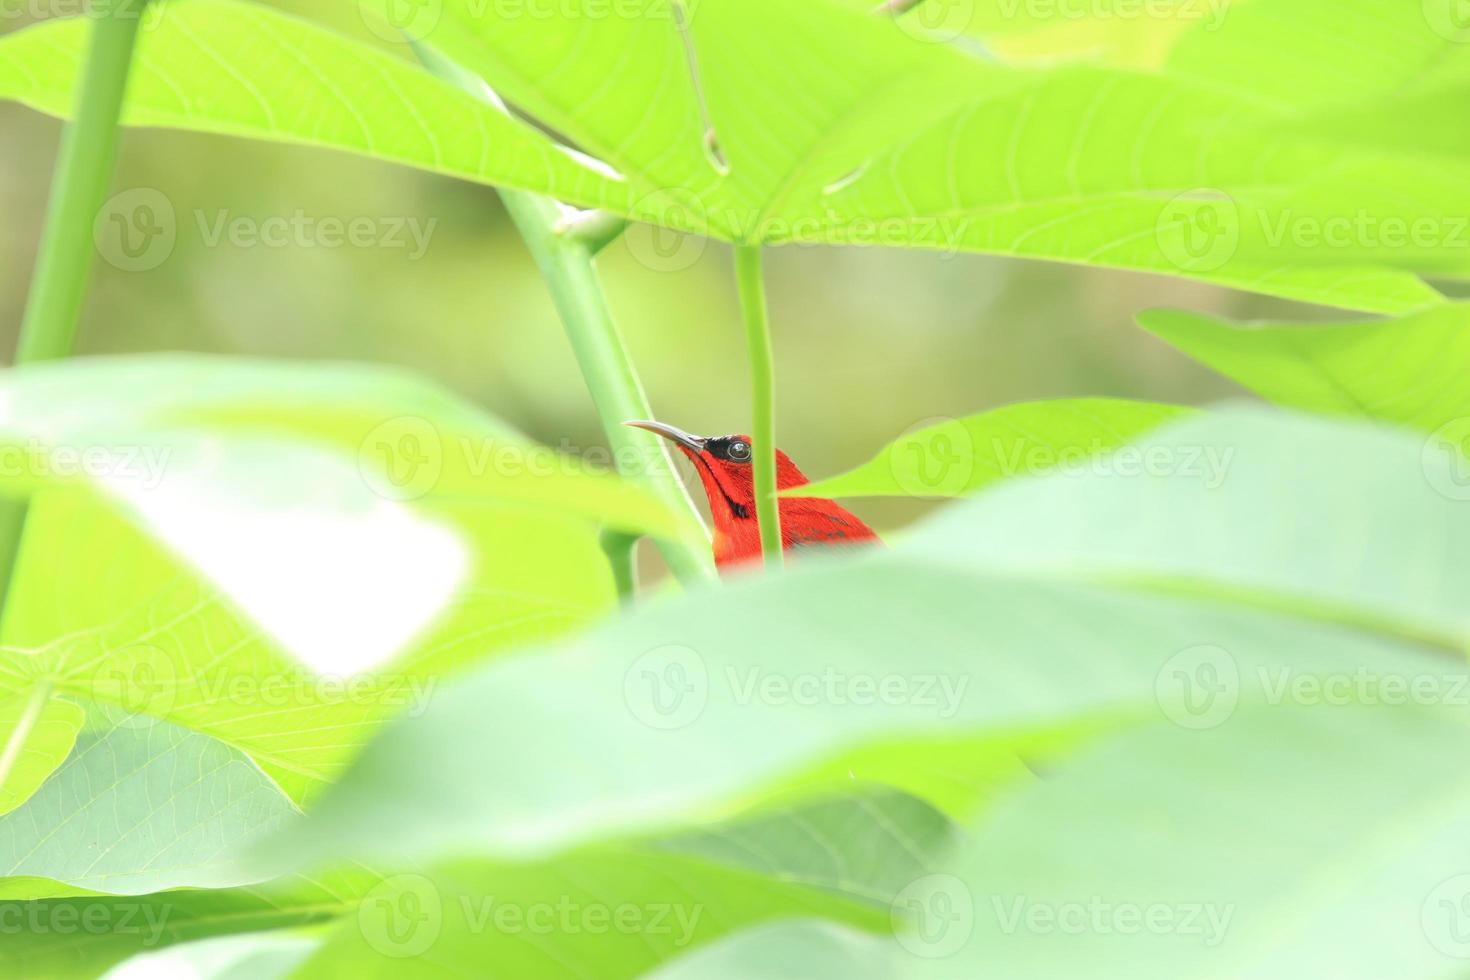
[(724, 467)]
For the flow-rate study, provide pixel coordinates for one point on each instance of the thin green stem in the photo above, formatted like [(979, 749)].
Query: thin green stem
[(566, 264), (763, 398), (83, 175), (622, 556), (79, 188)]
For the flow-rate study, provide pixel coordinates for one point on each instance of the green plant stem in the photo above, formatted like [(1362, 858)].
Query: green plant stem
[(620, 549), (763, 399), (79, 187), (566, 264)]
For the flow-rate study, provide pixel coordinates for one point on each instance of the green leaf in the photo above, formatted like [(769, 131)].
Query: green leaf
[(1030, 608), (787, 951), (258, 956), (1410, 371), (241, 69), (897, 142), (865, 845), (141, 806), (954, 457), (253, 535), (1357, 873), (37, 731), (606, 914), (51, 945)]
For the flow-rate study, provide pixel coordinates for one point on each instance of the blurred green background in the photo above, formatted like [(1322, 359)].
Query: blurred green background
[(869, 342)]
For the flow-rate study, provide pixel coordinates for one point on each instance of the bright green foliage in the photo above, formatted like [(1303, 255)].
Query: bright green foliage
[(39, 728), (894, 141), (142, 806), (1409, 371), (1015, 618), (953, 457), (243, 494)]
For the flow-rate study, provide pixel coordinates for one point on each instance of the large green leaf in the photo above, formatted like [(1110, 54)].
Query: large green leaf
[(253, 535), (139, 806), (952, 457), (53, 946), (1150, 856), (1410, 371), (242, 69), (39, 729), (882, 139), (605, 914), (1028, 607)]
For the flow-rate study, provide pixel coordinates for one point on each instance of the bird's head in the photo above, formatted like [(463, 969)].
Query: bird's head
[(723, 464)]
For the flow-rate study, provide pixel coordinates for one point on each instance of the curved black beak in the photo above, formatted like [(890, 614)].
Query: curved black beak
[(692, 443)]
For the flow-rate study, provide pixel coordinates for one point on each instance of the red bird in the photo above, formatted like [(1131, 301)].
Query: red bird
[(723, 463)]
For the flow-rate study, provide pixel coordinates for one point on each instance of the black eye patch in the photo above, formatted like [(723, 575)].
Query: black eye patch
[(731, 448)]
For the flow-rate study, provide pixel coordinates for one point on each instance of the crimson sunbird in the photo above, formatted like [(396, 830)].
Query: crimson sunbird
[(723, 464)]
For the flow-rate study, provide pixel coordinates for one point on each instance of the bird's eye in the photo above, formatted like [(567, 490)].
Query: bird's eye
[(739, 451)]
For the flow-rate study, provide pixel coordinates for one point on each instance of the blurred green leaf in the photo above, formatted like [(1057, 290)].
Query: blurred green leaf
[(1410, 371), (1030, 608), (590, 913), (266, 543), (953, 457), (120, 927)]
